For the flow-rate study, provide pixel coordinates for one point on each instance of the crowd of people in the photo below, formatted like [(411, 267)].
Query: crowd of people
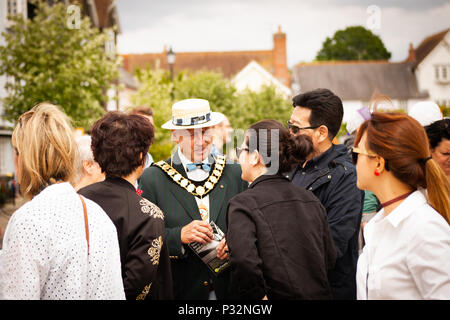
[(104, 221)]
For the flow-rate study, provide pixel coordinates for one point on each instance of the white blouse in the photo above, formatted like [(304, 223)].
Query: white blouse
[(407, 254), (45, 254)]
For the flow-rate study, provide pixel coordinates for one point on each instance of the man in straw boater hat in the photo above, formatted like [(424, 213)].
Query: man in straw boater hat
[(193, 188)]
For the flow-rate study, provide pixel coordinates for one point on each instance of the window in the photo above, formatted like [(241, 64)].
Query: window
[(15, 7), (441, 73), (11, 7)]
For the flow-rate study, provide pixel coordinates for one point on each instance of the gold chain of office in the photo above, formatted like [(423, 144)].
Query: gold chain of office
[(187, 184)]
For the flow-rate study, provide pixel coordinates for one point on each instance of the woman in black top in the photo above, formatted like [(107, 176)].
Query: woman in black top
[(120, 144), (279, 242)]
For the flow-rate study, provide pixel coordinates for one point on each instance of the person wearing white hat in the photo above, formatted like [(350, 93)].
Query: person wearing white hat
[(193, 188), (426, 112)]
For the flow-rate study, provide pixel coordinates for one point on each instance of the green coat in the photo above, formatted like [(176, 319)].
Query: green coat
[(191, 278)]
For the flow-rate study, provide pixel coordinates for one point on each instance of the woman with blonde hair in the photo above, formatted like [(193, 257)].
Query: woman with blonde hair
[(407, 249), (58, 245)]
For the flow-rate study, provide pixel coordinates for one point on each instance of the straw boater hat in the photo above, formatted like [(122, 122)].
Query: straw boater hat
[(192, 114)]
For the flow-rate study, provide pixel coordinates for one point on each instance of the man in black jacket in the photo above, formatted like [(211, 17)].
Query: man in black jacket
[(331, 176)]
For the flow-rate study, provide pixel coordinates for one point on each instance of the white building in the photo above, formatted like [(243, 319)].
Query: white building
[(431, 63), (254, 77)]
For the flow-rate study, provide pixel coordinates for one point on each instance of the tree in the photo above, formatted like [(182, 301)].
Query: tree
[(353, 43), (206, 85), (263, 104), (155, 92), (45, 60)]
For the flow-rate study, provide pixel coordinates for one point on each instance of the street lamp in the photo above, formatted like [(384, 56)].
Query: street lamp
[(171, 61)]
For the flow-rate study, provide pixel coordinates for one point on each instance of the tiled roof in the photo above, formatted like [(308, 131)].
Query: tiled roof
[(427, 45), (358, 80), (229, 63)]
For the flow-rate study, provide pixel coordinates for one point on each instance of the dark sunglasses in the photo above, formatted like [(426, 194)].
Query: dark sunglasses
[(295, 129), (357, 151), (239, 151)]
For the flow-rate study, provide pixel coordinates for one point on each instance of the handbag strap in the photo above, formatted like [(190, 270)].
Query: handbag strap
[(86, 225)]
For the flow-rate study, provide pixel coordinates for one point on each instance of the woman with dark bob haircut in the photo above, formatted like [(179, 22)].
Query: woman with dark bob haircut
[(120, 144), (279, 241)]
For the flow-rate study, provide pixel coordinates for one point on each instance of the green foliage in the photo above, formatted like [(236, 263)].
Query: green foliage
[(264, 104), (342, 131), (445, 111), (242, 108), (206, 85), (47, 61), (155, 92), (353, 43)]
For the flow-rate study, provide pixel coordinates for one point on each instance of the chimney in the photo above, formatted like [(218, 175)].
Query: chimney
[(411, 54), (279, 58)]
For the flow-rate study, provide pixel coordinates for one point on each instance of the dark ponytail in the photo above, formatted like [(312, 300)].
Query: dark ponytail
[(264, 137)]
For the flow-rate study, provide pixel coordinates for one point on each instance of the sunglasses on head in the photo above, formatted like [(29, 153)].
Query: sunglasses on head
[(295, 129)]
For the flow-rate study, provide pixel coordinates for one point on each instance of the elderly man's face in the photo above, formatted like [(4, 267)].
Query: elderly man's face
[(195, 144)]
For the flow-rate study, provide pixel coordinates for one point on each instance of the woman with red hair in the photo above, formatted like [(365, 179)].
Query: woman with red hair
[(407, 249)]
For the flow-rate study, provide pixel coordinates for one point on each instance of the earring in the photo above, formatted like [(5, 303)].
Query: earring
[(376, 173)]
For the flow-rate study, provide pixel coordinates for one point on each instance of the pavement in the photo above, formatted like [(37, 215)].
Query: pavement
[(6, 212)]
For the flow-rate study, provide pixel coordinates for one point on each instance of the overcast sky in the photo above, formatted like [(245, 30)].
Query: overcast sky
[(234, 25)]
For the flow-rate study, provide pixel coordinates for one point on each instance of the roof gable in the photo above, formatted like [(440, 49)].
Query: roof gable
[(427, 45), (253, 68)]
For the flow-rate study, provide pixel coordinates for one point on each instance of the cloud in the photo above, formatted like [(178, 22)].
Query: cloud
[(197, 25)]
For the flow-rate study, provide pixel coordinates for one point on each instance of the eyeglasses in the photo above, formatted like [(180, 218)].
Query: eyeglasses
[(356, 151), (295, 129), (239, 151)]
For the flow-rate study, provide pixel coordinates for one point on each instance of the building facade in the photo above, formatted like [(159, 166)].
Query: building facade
[(431, 64)]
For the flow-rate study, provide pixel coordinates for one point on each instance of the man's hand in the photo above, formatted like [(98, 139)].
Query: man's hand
[(196, 231), (222, 250)]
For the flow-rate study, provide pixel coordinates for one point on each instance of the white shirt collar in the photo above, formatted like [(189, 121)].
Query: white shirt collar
[(405, 209)]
